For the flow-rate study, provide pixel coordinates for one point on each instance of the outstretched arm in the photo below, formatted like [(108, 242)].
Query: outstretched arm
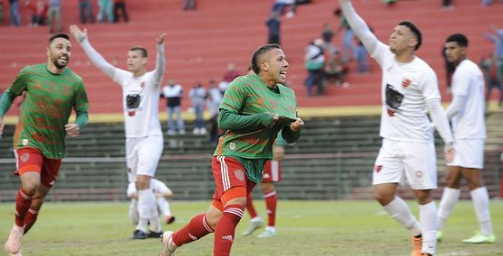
[(160, 61), (96, 58), (359, 26)]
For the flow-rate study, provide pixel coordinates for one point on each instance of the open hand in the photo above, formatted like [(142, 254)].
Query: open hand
[(161, 38), (78, 34)]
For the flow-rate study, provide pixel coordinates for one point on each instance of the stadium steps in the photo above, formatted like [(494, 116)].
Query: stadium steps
[(201, 43)]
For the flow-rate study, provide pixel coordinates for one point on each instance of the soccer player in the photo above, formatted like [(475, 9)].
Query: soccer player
[(162, 196), (409, 91), (144, 140), (51, 91), (466, 113), (271, 175), (254, 109)]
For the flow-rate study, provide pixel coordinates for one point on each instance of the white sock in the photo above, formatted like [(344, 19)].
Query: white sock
[(450, 197), (480, 199), (155, 224), (399, 211), (147, 209), (271, 228), (428, 218), (133, 211), (163, 206)]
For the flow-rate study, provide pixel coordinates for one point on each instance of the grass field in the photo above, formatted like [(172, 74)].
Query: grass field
[(307, 228)]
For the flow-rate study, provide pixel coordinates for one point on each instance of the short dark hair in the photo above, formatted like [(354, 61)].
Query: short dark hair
[(140, 49), (415, 31), (256, 55), (59, 35), (458, 38)]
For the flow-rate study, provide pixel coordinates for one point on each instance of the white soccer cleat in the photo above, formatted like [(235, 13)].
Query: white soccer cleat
[(254, 225), (13, 244), (168, 247)]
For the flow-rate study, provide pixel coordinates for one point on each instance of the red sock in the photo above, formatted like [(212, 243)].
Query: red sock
[(23, 203), (249, 207), (226, 228), (270, 203), (30, 219), (197, 228)]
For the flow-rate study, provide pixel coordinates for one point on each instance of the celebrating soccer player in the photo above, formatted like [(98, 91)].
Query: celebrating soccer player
[(144, 140), (51, 91), (254, 109), (409, 90)]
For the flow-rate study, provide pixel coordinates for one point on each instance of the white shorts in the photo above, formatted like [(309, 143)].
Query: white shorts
[(142, 156), (469, 153), (413, 162)]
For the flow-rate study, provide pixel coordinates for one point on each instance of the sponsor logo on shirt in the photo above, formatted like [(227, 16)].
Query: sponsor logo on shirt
[(378, 168), (232, 146), (406, 82)]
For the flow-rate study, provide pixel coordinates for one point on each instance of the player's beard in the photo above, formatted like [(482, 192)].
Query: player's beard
[(56, 62)]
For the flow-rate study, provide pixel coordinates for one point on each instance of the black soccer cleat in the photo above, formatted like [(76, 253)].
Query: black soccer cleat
[(138, 234), (153, 234)]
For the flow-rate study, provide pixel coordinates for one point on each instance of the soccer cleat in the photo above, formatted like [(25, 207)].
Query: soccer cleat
[(440, 235), (152, 234), (267, 233), (138, 234), (417, 243), (478, 238), (254, 225), (13, 244), (168, 247), (169, 219)]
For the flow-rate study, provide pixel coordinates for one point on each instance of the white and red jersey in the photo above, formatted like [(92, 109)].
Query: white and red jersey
[(468, 82), (140, 99), (406, 90)]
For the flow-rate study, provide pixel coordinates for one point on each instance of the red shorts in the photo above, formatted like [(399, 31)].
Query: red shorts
[(31, 160), (228, 172), (272, 172)]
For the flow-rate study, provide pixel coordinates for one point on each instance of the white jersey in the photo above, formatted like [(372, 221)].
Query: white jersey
[(406, 89), (156, 185), (468, 82), (140, 99)]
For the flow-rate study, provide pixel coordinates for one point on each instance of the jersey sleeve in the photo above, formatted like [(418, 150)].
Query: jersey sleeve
[(234, 97), (461, 82), (20, 82), (81, 101), (381, 52), (429, 86), (121, 76)]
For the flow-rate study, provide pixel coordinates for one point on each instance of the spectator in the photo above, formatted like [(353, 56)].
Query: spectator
[(229, 76), (273, 24), (173, 93), (197, 95), (488, 2), (447, 5), (105, 9), (189, 5), (54, 12), (15, 18), (86, 11), (336, 69), (1, 10), (315, 61), (39, 12), (214, 98), (120, 5), (280, 5), (489, 66), (362, 60), (497, 40), (348, 46)]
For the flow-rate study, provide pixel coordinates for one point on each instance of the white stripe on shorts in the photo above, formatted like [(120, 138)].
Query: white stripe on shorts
[(224, 169)]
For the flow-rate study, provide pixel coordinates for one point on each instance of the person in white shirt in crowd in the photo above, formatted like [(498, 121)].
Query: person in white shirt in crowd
[(466, 113), (409, 90), (144, 139), (197, 96), (213, 100), (162, 194), (173, 93)]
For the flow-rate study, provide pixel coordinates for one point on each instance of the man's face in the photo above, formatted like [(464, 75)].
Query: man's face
[(401, 38), (59, 52), (275, 65), (454, 52), (135, 61)]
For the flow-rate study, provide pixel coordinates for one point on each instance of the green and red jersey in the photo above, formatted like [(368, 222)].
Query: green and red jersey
[(47, 105)]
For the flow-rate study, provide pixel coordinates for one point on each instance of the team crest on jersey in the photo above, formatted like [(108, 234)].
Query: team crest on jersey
[(232, 146), (419, 174), (406, 82), (378, 168), (24, 157), (240, 175)]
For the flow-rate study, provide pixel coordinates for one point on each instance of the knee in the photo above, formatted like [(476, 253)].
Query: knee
[(474, 184), (143, 182), (424, 197), (212, 218), (30, 187), (383, 198), (452, 181)]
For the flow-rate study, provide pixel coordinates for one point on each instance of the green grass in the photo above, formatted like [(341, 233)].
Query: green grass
[(305, 228)]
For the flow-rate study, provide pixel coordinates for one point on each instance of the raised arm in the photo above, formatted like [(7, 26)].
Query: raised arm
[(160, 63), (359, 26), (96, 58)]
